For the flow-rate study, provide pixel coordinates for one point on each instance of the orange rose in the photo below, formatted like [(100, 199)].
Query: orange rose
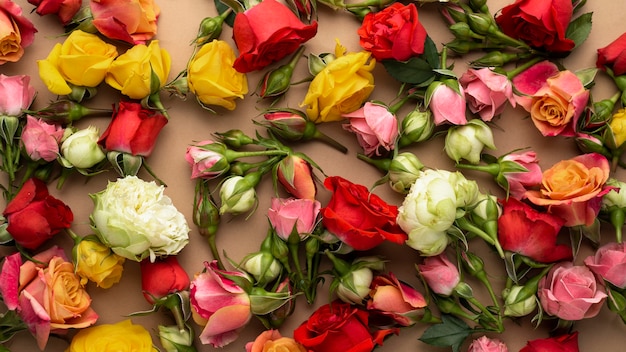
[(573, 189), (133, 21), (272, 341)]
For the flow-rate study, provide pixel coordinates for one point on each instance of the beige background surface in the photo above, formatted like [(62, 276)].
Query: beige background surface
[(189, 122)]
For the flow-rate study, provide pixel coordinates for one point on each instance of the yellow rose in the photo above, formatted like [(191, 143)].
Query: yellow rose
[(212, 78), (341, 87), (131, 73), (618, 127), (82, 60), (96, 262), (122, 336)]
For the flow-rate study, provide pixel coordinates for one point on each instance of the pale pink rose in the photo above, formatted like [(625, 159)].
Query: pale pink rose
[(485, 344), (17, 32), (375, 128), (222, 307), (397, 300), (41, 140), (519, 182), (609, 262), (286, 213), (448, 106), (441, 275), (571, 292), (487, 92), (16, 94), (555, 99), (205, 162), (573, 189)]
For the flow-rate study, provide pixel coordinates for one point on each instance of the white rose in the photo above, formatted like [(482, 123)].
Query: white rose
[(467, 141), (616, 197), (357, 286), (81, 149), (137, 221)]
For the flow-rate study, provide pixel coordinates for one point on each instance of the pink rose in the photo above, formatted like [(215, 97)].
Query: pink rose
[(396, 300), (571, 292), (17, 32), (375, 128), (519, 182), (16, 94), (555, 99), (486, 92), (47, 295), (485, 344), (448, 105), (573, 189), (41, 140), (206, 163), (441, 275), (222, 307), (64, 9), (609, 263), (287, 214)]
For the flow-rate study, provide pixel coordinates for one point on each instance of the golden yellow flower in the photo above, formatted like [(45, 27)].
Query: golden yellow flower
[(83, 59), (618, 127), (122, 336), (96, 262), (341, 87), (212, 78), (131, 73)]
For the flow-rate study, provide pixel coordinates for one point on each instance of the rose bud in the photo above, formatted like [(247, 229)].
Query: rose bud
[(234, 138), (162, 278), (237, 194), (210, 28), (440, 274), (416, 127), (81, 149), (404, 169), (41, 139), (296, 175), (589, 143), (467, 141), (174, 339), (65, 111), (447, 103), (207, 160), (262, 266), (352, 280), (615, 135), (294, 214), (515, 305), (396, 300), (276, 82)]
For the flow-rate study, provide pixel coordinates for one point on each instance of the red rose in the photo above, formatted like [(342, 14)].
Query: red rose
[(336, 327), (133, 129), (526, 231), (64, 9), (34, 215), (393, 33), (161, 278), (267, 33), (359, 218), (539, 23), (613, 56), (563, 343)]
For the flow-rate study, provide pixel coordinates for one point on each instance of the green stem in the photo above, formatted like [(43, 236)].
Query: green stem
[(214, 251), (497, 320), (380, 164), (492, 169), (232, 155), (467, 225), (328, 140)]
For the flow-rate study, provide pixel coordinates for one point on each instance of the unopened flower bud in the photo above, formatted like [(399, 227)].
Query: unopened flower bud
[(125, 164), (65, 111), (234, 138), (462, 31), (495, 59), (206, 215), (81, 149), (263, 266), (453, 13), (174, 339), (517, 303), (296, 176), (276, 82), (615, 135), (207, 160), (462, 46), (464, 290), (481, 23), (210, 28), (356, 286), (600, 114), (467, 141), (417, 126), (588, 143), (238, 195), (286, 123), (404, 169)]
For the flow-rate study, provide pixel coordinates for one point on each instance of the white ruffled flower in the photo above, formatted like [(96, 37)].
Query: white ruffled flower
[(136, 220)]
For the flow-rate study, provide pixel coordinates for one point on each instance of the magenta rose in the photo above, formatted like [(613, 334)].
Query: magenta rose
[(441, 275), (289, 214), (41, 140), (555, 99), (376, 128), (447, 105), (218, 304), (487, 92), (609, 262), (571, 292)]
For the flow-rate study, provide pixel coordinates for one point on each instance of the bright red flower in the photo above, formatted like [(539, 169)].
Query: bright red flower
[(261, 41), (337, 327), (34, 215), (531, 233), (161, 278), (358, 217), (393, 33), (133, 129), (539, 23), (562, 343), (613, 56)]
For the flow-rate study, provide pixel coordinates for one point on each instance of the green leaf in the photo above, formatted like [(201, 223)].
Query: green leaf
[(431, 55), (414, 71), (450, 333), (579, 29)]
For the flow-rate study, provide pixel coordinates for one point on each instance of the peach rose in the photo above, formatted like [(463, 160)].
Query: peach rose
[(272, 341), (133, 21), (16, 32), (573, 189)]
